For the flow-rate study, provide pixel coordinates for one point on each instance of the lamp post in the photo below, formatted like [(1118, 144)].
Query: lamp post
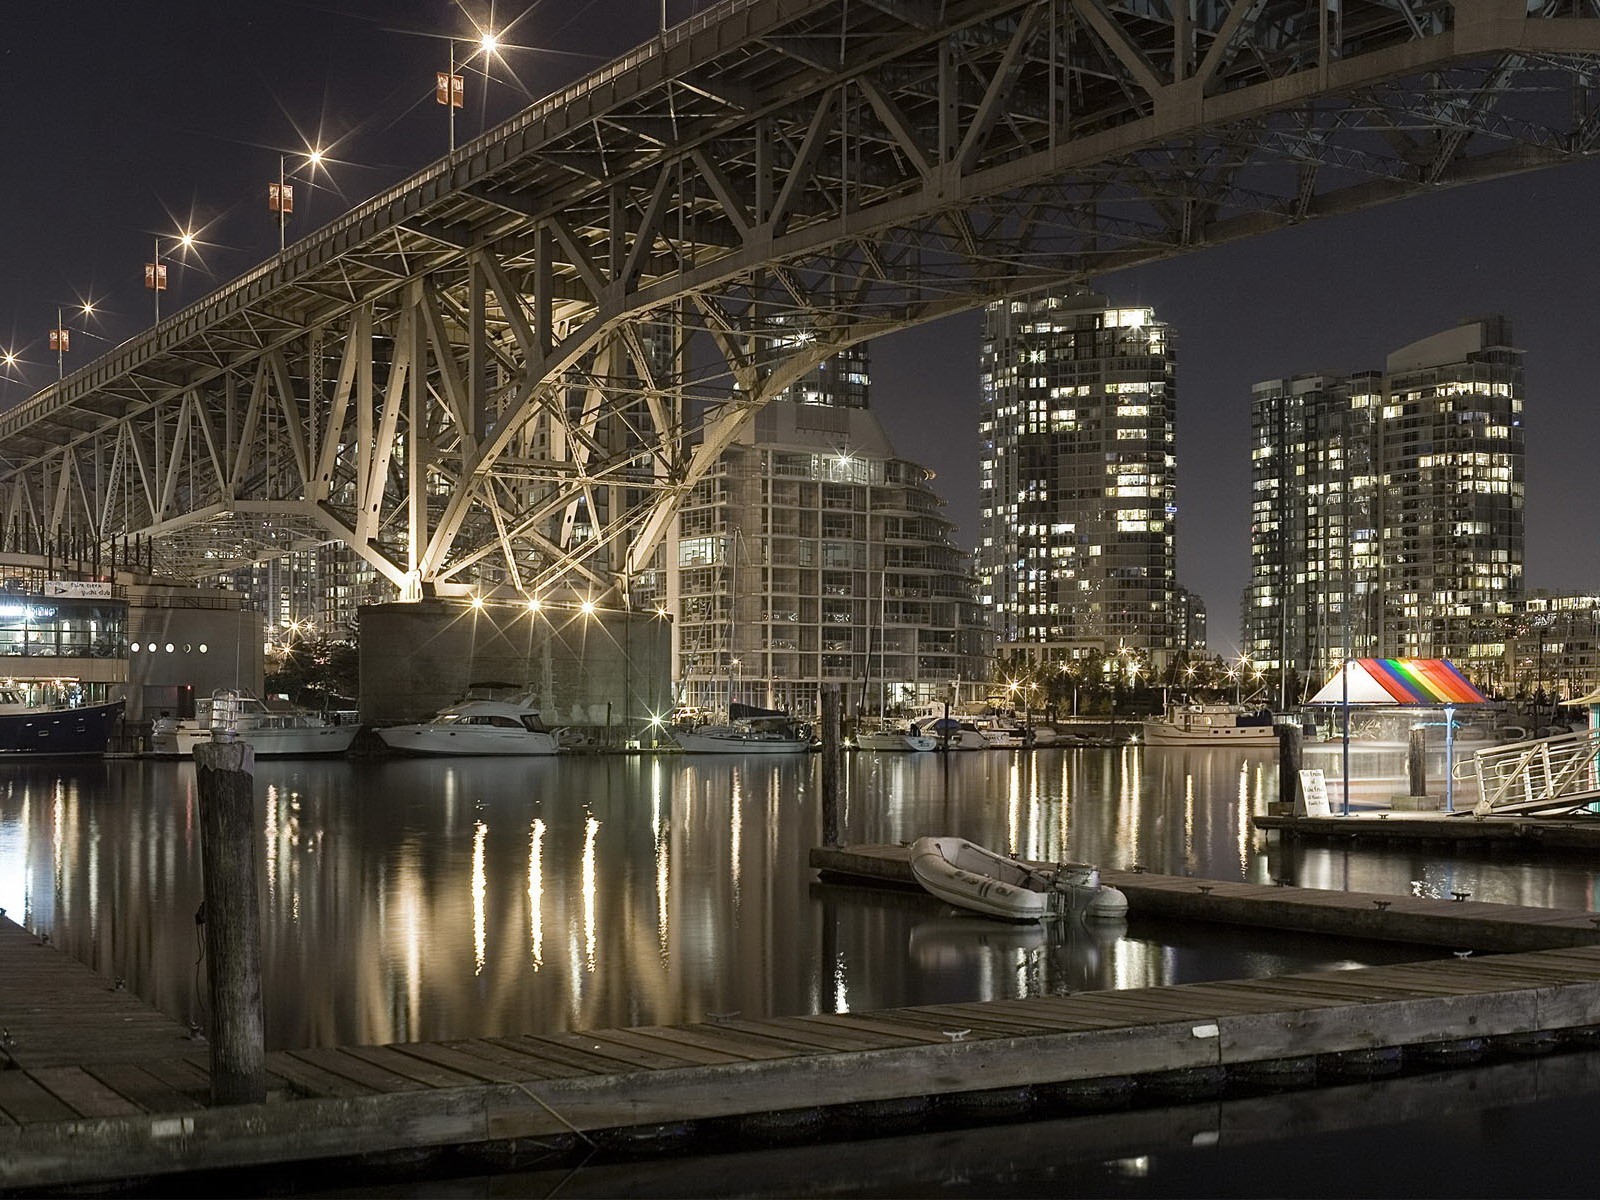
[(61, 337), (450, 89), (155, 273), (280, 195)]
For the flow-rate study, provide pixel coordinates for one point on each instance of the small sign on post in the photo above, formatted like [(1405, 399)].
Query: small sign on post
[(1313, 798)]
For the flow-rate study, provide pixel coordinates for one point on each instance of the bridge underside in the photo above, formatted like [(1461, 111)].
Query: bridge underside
[(505, 373)]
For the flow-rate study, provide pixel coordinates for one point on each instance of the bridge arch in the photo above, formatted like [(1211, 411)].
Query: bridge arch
[(505, 372)]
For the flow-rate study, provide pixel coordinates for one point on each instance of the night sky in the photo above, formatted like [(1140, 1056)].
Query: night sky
[(128, 120)]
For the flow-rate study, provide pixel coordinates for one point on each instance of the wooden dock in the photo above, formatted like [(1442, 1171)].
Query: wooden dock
[(1420, 920), (1574, 835), (102, 1120)]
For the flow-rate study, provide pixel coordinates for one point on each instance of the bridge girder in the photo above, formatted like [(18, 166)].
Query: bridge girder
[(509, 370)]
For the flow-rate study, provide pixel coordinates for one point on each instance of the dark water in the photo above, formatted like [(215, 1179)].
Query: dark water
[(430, 899)]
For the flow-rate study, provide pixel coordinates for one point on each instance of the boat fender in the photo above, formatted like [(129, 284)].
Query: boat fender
[(1109, 904)]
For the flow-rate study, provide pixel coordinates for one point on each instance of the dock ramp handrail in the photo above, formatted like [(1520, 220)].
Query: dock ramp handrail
[(1555, 775)]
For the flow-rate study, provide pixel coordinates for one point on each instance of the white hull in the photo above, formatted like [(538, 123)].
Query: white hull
[(970, 876), (713, 740), (1160, 733), (434, 739), (271, 735), (958, 739), (896, 741)]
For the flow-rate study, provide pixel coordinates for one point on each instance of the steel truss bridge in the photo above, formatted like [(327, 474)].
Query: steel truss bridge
[(506, 372)]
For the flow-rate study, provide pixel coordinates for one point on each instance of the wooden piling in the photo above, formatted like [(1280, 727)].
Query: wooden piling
[(830, 764), (224, 774), (1417, 763), (1291, 740)]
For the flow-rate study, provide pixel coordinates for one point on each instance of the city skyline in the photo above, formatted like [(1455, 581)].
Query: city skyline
[(1329, 295)]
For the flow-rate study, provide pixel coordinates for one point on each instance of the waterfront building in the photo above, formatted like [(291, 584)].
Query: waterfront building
[(1077, 478), (812, 553), (1313, 523), (313, 592), (1188, 621), (1387, 509), (1552, 646)]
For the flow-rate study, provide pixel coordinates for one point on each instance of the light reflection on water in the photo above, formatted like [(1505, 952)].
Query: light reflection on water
[(428, 899)]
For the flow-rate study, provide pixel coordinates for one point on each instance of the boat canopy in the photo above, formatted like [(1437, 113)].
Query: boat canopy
[(1415, 681), (749, 712)]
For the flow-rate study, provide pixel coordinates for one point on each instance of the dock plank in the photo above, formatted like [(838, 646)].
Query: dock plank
[(354, 1067), (417, 1068), (577, 1063), (598, 1042), (682, 1049), (466, 1066), (815, 1037), (85, 1094), (28, 1102), (144, 1089), (711, 1037), (873, 1023), (312, 1081), (525, 1066)]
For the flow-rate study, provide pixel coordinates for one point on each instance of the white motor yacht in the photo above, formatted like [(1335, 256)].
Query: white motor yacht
[(1212, 725), (896, 740), (749, 730), (504, 727), (274, 730)]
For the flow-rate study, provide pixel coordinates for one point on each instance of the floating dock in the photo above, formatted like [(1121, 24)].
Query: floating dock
[(1454, 924), (1574, 835), (96, 1120)]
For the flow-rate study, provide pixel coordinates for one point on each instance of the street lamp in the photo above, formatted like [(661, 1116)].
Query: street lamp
[(155, 273), (280, 195), (61, 338), (450, 89)]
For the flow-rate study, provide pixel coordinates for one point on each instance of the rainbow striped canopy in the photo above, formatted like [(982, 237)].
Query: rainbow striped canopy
[(1425, 681)]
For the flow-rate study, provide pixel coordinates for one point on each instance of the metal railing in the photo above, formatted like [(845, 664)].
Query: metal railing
[(1553, 774)]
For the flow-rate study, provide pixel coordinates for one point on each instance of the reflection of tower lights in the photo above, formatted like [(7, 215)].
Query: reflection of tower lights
[(736, 847), (480, 833), (663, 876), (1013, 805), (1242, 820), (591, 830), (536, 893), (1188, 817), (271, 835)]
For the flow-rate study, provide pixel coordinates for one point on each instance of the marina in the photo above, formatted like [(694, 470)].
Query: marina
[(89, 1120), (698, 852)]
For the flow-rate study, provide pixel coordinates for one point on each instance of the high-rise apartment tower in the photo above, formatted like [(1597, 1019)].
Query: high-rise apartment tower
[(1076, 478)]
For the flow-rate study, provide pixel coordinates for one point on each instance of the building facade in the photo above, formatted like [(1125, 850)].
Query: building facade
[(1077, 478), (813, 554), (1387, 509)]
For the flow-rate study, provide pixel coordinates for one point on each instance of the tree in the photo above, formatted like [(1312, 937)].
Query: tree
[(315, 672)]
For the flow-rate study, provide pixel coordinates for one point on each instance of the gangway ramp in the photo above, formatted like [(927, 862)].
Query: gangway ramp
[(1553, 776)]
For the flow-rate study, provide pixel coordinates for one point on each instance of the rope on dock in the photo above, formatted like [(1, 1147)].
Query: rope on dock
[(542, 1103)]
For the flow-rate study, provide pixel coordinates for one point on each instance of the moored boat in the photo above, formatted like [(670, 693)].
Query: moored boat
[(1212, 725), (973, 877), (895, 740), (476, 727), (951, 734), (748, 730), (274, 730), (29, 730)]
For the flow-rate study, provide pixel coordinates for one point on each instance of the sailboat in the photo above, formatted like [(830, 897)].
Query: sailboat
[(748, 729), (883, 735)]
